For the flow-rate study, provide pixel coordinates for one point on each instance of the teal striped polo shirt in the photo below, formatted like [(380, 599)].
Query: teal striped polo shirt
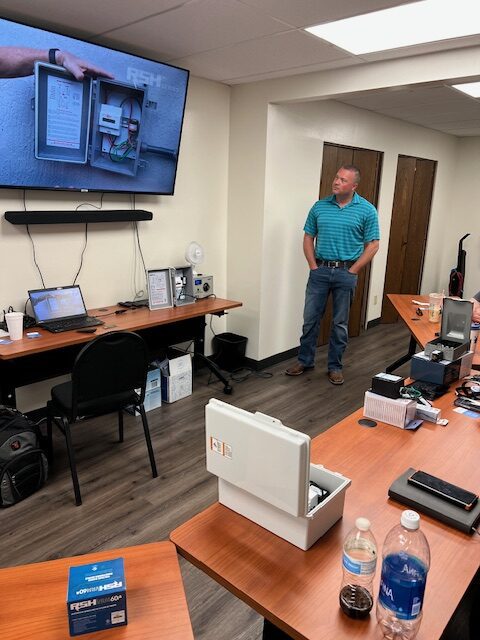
[(342, 232)]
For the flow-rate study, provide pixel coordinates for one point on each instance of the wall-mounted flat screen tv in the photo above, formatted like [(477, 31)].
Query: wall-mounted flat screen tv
[(77, 116)]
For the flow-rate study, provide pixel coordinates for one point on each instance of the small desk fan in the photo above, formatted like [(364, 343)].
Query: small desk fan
[(194, 255)]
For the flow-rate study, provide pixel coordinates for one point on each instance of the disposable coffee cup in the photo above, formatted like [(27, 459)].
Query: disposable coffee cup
[(14, 320), (434, 307)]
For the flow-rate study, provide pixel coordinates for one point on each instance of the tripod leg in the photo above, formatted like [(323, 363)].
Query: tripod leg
[(227, 388)]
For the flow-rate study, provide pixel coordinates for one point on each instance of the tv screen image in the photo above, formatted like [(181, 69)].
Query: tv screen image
[(115, 130)]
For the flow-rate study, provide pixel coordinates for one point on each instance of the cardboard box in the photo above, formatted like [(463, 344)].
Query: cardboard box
[(153, 392), (430, 414), (96, 597), (176, 378), (399, 412)]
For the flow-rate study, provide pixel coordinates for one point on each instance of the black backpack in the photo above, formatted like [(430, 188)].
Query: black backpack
[(23, 465)]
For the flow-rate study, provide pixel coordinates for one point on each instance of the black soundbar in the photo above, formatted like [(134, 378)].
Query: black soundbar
[(68, 217)]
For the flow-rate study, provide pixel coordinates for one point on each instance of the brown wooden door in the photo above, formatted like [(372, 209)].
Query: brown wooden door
[(370, 163), (408, 231)]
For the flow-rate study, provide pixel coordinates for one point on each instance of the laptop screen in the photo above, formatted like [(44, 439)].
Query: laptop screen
[(57, 303)]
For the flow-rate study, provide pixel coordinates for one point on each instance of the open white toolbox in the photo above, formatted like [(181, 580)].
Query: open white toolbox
[(264, 473)]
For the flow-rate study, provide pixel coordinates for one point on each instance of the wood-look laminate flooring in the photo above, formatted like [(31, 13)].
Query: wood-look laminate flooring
[(123, 505)]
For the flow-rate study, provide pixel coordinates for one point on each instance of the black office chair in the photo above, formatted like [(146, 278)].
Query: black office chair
[(109, 374)]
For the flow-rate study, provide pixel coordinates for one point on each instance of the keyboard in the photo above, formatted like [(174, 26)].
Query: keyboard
[(72, 323)]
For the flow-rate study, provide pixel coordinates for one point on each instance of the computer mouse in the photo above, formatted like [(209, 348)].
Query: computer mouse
[(87, 330)]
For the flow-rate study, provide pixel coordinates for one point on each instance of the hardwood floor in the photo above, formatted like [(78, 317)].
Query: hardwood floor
[(123, 505)]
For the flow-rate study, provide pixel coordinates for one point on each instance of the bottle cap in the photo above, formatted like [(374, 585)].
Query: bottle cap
[(410, 519), (363, 524)]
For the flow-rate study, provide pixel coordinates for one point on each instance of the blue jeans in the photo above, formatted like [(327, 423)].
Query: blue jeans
[(321, 281)]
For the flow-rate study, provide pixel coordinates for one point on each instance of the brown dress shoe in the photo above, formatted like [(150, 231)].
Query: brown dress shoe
[(335, 377), (297, 369)]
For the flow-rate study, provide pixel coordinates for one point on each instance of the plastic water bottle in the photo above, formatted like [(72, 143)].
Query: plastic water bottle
[(406, 560), (359, 564)]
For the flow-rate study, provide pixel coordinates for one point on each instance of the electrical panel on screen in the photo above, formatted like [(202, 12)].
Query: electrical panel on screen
[(116, 129)]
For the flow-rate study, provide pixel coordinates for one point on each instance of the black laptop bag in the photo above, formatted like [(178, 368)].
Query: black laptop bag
[(23, 464)]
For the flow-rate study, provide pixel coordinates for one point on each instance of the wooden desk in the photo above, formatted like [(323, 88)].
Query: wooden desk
[(298, 591), (33, 597), (421, 330), (31, 360)]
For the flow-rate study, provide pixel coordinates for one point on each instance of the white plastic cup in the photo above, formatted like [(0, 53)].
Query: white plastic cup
[(434, 307), (14, 320)]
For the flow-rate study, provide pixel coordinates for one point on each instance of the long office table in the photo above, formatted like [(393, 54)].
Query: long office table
[(33, 597), (421, 330), (297, 591), (32, 360)]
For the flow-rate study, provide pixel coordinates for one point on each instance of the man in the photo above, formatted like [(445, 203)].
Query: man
[(341, 237), (19, 61)]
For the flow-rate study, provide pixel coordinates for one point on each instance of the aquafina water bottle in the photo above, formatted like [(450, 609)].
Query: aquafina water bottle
[(406, 560)]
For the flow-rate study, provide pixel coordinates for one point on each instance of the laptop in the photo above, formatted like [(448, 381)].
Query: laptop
[(61, 309)]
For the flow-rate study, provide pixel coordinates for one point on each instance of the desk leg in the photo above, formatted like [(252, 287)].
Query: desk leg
[(199, 339), (398, 363), (271, 632)]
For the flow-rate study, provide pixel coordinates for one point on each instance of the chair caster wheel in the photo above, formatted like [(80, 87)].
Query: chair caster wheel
[(228, 390)]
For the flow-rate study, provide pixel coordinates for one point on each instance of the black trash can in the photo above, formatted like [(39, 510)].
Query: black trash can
[(229, 351)]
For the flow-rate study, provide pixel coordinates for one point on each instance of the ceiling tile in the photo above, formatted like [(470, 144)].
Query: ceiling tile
[(86, 17), (464, 133), (196, 27), (420, 49), (435, 106), (282, 52), (400, 98), (306, 13), (237, 41), (283, 73)]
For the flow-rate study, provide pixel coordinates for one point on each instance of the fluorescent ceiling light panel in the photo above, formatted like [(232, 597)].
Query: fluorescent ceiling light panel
[(404, 26), (470, 88)]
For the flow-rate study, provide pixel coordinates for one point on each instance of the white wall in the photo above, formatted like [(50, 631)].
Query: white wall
[(197, 211), (245, 217), (296, 134), (276, 136), (464, 215)]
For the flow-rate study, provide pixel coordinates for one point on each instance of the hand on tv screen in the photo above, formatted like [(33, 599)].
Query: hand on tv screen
[(79, 68), (19, 61)]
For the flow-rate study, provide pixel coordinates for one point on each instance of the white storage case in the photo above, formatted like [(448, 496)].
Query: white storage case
[(264, 473)]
